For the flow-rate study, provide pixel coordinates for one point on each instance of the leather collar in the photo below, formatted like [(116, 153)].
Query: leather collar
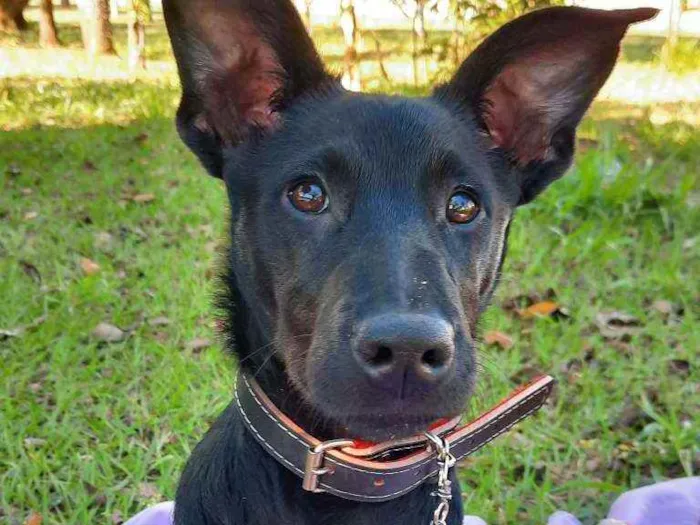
[(379, 472)]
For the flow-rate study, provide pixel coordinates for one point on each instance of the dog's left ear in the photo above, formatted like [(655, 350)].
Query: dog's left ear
[(529, 84), (241, 63)]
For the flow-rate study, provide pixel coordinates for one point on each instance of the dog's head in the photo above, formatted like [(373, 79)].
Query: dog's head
[(368, 231)]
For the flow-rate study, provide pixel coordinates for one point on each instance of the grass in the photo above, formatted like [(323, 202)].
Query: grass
[(93, 432)]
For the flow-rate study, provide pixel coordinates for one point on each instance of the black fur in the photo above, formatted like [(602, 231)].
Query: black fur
[(303, 291)]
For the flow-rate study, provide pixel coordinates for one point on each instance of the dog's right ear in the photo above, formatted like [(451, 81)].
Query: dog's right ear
[(241, 62)]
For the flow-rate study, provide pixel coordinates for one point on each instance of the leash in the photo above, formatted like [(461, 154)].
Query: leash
[(377, 472)]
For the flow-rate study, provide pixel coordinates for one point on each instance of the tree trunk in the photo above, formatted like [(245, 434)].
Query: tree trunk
[(307, 15), (674, 20), (11, 17), (47, 26), (65, 3), (348, 23), (103, 30), (137, 44), (96, 28)]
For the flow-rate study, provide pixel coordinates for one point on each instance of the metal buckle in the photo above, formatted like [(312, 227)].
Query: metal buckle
[(314, 469), (445, 461)]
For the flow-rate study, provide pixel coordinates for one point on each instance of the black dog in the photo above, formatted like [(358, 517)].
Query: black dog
[(367, 232)]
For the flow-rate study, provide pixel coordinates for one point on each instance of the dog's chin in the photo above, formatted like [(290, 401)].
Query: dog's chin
[(386, 427)]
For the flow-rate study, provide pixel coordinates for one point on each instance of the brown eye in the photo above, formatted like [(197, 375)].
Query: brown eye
[(308, 197), (462, 208)]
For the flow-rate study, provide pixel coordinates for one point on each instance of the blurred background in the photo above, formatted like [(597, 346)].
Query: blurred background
[(109, 230)]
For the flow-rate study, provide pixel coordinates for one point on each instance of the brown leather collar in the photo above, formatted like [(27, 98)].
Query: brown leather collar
[(380, 472)]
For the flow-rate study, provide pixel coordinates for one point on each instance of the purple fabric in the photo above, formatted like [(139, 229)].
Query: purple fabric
[(675, 502), (161, 514)]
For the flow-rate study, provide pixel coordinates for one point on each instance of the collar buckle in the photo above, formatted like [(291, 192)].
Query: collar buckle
[(313, 466)]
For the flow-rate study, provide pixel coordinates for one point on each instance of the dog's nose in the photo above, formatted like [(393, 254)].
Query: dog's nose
[(397, 349)]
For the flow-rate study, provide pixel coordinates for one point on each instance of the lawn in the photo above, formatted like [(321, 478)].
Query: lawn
[(106, 218)]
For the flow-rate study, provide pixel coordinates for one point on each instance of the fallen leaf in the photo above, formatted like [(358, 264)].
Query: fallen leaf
[(498, 338), (525, 374), (630, 417), (12, 332), (20, 330), (544, 309), (104, 240), (159, 321), (141, 137), (32, 442), (617, 325), (143, 197), (198, 344), (13, 169), (34, 519), (30, 215), (89, 266), (148, 491), (108, 333), (679, 367), (31, 271), (89, 166), (664, 307), (117, 518), (26, 191)]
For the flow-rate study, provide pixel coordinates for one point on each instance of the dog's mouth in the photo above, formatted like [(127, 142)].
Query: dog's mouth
[(375, 429)]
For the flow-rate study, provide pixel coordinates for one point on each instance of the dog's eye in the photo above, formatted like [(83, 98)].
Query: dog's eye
[(308, 197), (462, 208)]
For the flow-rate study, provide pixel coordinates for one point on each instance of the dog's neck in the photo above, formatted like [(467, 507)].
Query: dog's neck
[(241, 484)]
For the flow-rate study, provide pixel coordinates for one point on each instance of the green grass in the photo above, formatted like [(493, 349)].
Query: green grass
[(85, 424)]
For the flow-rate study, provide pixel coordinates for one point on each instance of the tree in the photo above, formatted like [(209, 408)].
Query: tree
[(11, 17), (414, 10), (139, 16), (48, 36), (96, 27), (348, 23), (307, 15), (475, 19)]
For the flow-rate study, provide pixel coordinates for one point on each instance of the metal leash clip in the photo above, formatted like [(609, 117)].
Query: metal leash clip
[(443, 492)]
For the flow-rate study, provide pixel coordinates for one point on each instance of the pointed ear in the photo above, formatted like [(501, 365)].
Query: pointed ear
[(241, 62), (529, 84)]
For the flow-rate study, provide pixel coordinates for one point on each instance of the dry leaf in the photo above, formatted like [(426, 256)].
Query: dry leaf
[(498, 338), (664, 307), (148, 491), (525, 374), (617, 325), (198, 344), (108, 333), (117, 518), (30, 215), (143, 197), (104, 240), (89, 266), (679, 367), (159, 321), (543, 309), (14, 169), (32, 442), (34, 519), (12, 332), (26, 191), (30, 270), (89, 166)]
